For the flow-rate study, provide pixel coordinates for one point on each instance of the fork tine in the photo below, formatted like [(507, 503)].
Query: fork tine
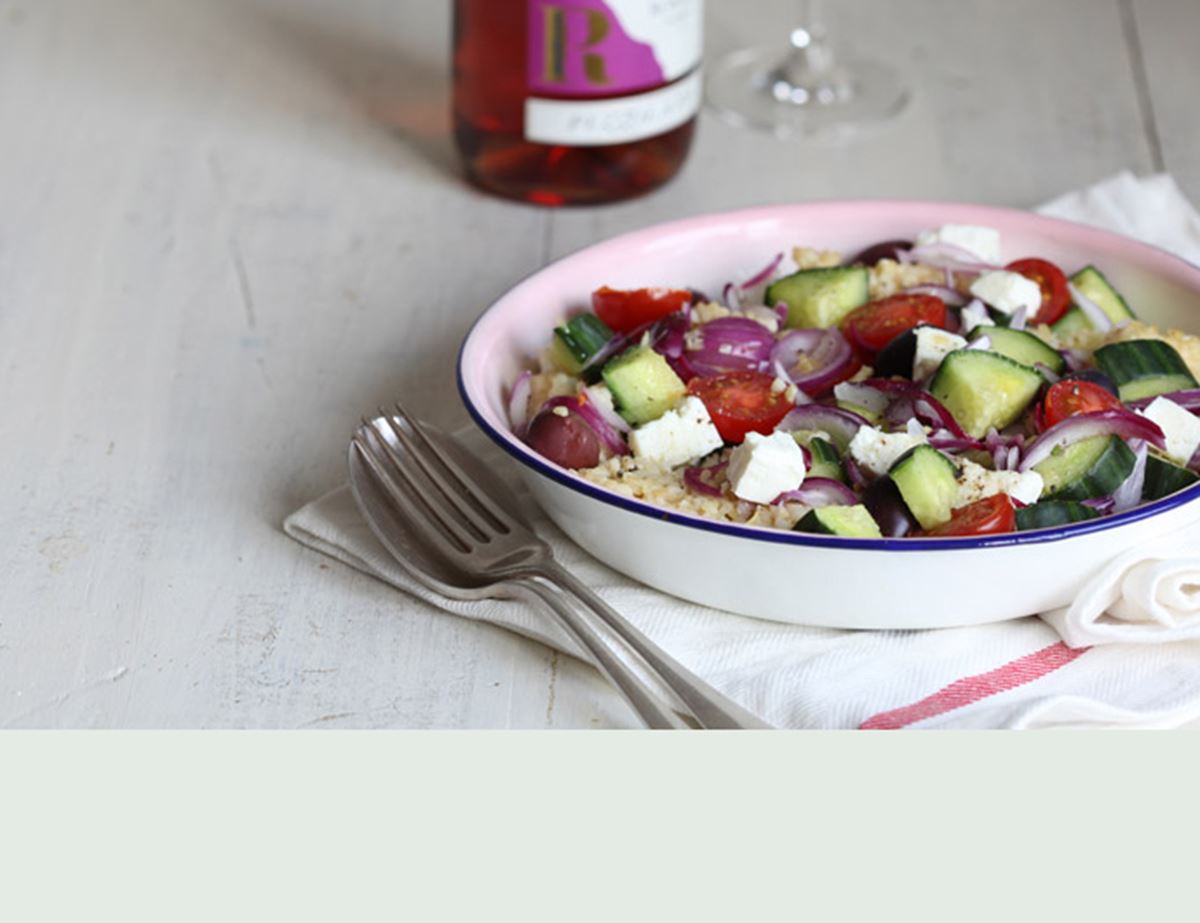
[(466, 487), (436, 490), (408, 498)]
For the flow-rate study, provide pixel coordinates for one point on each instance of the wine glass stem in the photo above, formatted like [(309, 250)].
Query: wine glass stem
[(810, 54)]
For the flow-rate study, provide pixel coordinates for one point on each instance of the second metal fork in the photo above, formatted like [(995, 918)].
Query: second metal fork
[(468, 525)]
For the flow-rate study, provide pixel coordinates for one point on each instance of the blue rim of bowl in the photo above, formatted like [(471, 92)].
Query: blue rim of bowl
[(535, 462)]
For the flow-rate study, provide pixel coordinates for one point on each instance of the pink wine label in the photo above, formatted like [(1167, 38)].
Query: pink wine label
[(611, 47)]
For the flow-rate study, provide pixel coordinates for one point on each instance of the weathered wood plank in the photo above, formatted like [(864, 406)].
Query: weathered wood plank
[(1165, 32)]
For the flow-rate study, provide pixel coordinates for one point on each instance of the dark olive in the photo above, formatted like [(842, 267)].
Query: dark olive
[(565, 439), (896, 359), (883, 501), (1096, 377), (886, 250)]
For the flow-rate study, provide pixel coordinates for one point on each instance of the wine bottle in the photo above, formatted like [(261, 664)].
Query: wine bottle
[(575, 101)]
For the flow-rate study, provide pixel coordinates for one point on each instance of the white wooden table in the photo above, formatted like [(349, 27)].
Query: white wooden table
[(230, 227)]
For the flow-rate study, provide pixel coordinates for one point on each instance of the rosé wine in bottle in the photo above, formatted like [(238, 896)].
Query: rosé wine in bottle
[(562, 102)]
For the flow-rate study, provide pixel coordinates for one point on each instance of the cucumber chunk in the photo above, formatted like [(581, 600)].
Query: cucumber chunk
[(1091, 282), (1164, 477), (643, 385), (849, 521), (858, 409), (1071, 323), (1048, 513), (1022, 346), (820, 297), (826, 462), (983, 389), (578, 340), (928, 483), (1090, 468), (1144, 368)]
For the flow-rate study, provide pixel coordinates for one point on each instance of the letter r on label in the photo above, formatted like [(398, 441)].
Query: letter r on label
[(554, 54)]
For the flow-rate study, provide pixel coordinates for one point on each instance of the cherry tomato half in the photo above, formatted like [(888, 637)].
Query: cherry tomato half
[(989, 516), (1056, 299), (741, 403), (874, 325), (1069, 397), (626, 310)]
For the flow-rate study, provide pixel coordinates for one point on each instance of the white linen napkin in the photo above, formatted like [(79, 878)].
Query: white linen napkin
[(1126, 653)]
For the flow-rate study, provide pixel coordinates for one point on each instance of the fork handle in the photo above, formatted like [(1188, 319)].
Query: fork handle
[(711, 708), (641, 698)]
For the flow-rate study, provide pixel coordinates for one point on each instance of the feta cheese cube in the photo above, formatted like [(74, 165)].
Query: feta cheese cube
[(975, 315), (763, 467), (981, 241), (1180, 427), (976, 482), (877, 451), (1007, 291), (933, 345), (681, 435)]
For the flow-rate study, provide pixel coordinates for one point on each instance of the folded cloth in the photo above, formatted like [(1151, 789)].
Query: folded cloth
[(1145, 596), (1151, 209), (1125, 653)]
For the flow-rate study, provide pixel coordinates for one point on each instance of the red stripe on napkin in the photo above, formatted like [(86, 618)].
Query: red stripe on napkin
[(973, 688)]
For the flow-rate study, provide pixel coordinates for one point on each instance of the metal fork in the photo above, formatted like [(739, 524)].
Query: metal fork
[(469, 527)]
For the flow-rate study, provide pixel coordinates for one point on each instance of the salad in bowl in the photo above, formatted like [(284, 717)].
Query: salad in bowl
[(918, 388), (921, 434)]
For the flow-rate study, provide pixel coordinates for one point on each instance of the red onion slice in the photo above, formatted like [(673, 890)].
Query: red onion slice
[(1016, 320), (895, 386), (667, 336), (854, 473), (951, 296), (840, 425), (1102, 505), (731, 297), (1092, 311), (604, 409), (701, 479), (946, 256), (917, 403), (945, 441), (1085, 425), (1129, 494), (518, 403), (826, 354), (817, 492), (592, 417), (729, 344), (1047, 373), (763, 274), (1188, 399)]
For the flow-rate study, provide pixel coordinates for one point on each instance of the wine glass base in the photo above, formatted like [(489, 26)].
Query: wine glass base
[(752, 88)]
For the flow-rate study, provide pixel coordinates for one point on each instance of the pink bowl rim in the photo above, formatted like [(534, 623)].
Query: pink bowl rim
[(1152, 258)]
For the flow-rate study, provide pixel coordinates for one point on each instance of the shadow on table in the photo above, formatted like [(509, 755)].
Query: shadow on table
[(393, 70)]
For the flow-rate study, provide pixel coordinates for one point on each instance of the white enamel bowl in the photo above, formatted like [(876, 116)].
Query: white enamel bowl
[(789, 576)]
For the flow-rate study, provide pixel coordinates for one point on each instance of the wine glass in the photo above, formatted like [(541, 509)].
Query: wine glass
[(806, 91)]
